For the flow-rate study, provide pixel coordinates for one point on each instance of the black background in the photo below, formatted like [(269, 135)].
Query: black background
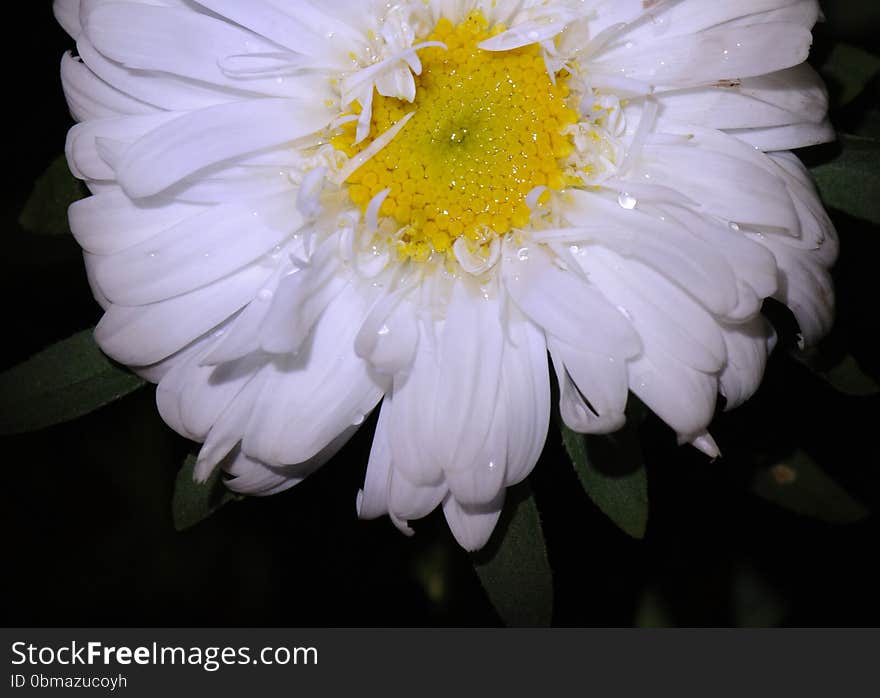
[(87, 531)]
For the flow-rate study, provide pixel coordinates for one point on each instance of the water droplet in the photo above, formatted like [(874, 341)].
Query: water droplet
[(523, 254), (627, 201), (384, 331), (358, 420), (734, 227)]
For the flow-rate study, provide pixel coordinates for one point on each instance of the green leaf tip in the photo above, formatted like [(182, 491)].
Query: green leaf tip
[(613, 474), (513, 567), (850, 182), (799, 484), (68, 380), (194, 501), (45, 211), (849, 69)]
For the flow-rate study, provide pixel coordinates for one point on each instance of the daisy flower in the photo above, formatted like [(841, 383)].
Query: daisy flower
[(304, 211)]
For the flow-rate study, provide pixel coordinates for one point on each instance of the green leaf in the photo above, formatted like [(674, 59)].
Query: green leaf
[(612, 472), (851, 181), (46, 209), (798, 484), (195, 501), (513, 567), (65, 381), (850, 69), (849, 378), (845, 376)]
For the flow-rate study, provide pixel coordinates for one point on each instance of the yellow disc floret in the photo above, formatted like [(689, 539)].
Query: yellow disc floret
[(486, 131)]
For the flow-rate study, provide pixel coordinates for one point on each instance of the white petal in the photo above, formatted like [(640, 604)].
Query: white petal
[(469, 371), (679, 395), (696, 266), (705, 57), (753, 264), (228, 429), (67, 14), (817, 230), (157, 89), (747, 348), (143, 335), (372, 501), (86, 162), (310, 398), (602, 380), (389, 337), (790, 96), (407, 501), (662, 314), (564, 305), (525, 387), (179, 42), (299, 27), (477, 476), (472, 526), (89, 97), (728, 187), (250, 476), (412, 418), (301, 298), (111, 222), (198, 251), (195, 141), (789, 137), (191, 397), (805, 287)]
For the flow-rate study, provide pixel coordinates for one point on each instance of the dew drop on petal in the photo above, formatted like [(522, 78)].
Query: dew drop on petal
[(627, 201)]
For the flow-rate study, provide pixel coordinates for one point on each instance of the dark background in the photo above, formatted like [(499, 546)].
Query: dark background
[(87, 529)]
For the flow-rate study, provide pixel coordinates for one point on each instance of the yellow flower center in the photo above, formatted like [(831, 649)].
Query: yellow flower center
[(487, 129)]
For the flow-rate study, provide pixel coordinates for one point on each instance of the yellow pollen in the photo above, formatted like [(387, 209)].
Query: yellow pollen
[(487, 130)]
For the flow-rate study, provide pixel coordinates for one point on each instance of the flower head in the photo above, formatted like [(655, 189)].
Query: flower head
[(302, 210)]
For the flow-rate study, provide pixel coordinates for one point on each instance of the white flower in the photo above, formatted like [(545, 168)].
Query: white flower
[(302, 209)]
